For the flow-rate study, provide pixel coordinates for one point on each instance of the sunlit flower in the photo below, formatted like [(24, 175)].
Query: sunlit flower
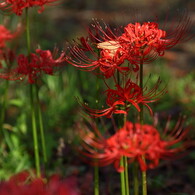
[(141, 143), (107, 56), (121, 99), (106, 49), (41, 62), (99, 51), (146, 41), (17, 6), (139, 40)]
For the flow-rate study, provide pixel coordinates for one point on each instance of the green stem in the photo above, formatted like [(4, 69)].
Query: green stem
[(96, 180), (126, 175), (141, 114), (96, 168), (144, 181), (28, 41), (32, 101), (3, 107), (34, 129), (41, 125), (122, 176), (135, 179), (126, 165), (144, 177)]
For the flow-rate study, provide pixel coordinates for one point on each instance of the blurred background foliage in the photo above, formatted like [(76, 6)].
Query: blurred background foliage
[(64, 22)]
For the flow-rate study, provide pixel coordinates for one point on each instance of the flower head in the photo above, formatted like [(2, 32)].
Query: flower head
[(99, 51), (7, 55), (139, 40), (108, 48), (134, 141), (84, 55), (146, 41), (32, 67), (122, 98), (5, 36), (24, 183), (17, 6)]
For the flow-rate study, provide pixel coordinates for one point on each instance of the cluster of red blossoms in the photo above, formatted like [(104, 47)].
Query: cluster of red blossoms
[(141, 143), (30, 67), (5, 36), (135, 44), (6, 54), (122, 50), (23, 184), (114, 55), (121, 99), (33, 66), (17, 6)]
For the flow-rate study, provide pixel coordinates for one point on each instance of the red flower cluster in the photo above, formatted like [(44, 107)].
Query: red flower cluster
[(17, 6), (23, 184), (6, 54), (34, 65), (83, 55), (5, 36), (121, 99), (135, 43), (141, 40), (137, 142)]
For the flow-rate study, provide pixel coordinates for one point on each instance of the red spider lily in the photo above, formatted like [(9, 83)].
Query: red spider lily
[(111, 59), (140, 40), (17, 6), (83, 55), (33, 66), (121, 99), (5, 36), (100, 50), (115, 108), (6, 54), (79, 54), (145, 42), (24, 183), (136, 43), (102, 34), (137, 142)]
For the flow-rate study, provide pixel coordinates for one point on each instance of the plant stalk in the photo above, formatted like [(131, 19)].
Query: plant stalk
[(135, 179), (34, 129), (96, 180), (144, 181), (126, 171), (126, 175), (122, 177), (32, 102), (3, 108), (41, 125), (144, 177)]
